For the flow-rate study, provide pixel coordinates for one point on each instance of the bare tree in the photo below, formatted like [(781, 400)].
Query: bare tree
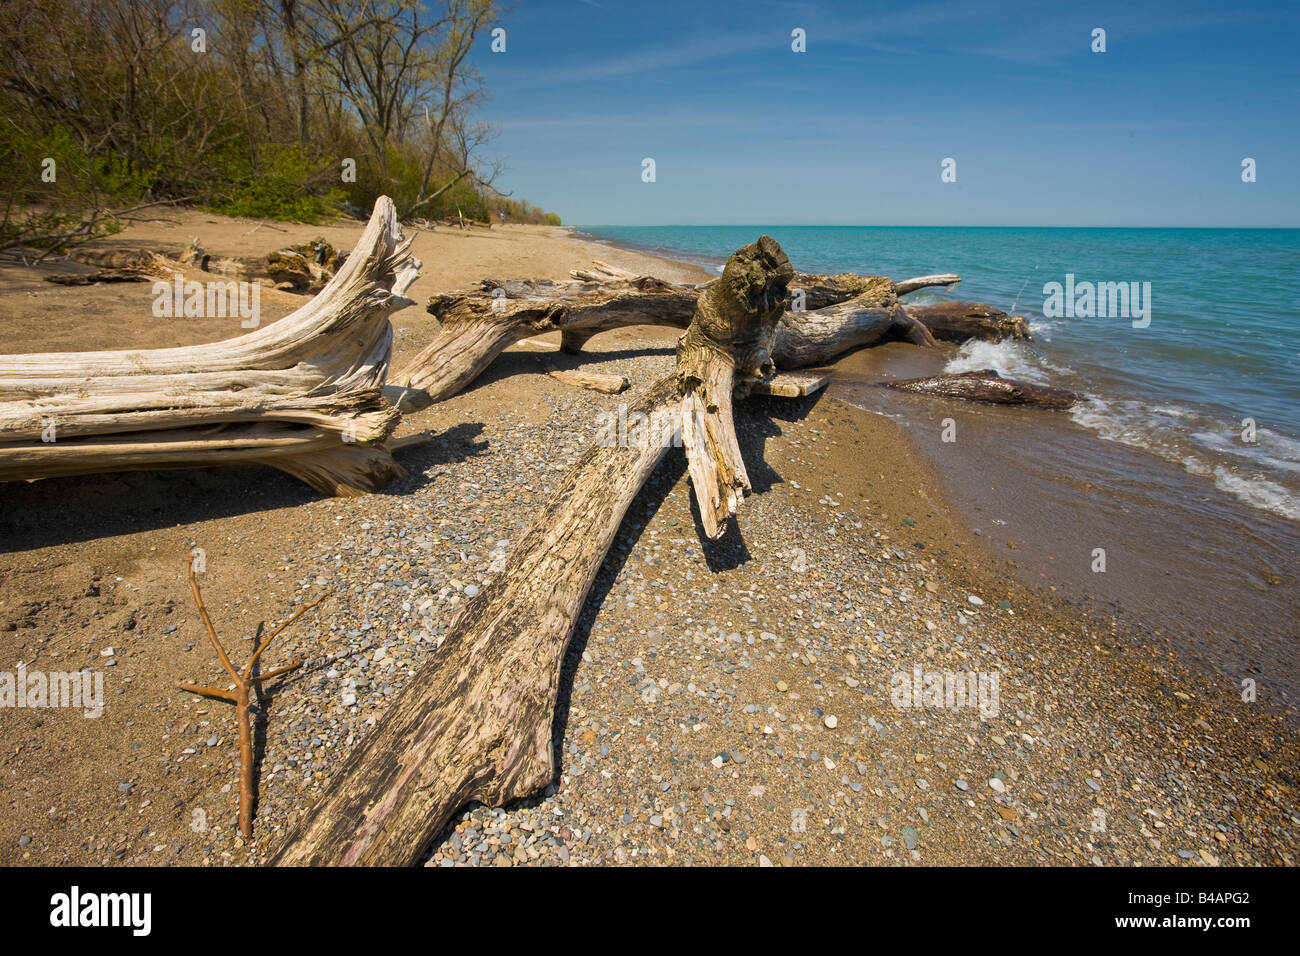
[(459, 84)]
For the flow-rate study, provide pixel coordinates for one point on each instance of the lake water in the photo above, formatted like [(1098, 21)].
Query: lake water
[(1199, 523)]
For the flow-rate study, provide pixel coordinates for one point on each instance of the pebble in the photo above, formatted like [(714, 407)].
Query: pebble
[(997, 786)]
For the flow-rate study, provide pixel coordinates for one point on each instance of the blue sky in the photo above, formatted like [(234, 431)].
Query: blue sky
[(1043, 130)]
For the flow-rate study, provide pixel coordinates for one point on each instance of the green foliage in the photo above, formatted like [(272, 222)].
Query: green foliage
[(256, 125), (284, 183), (49, 186)]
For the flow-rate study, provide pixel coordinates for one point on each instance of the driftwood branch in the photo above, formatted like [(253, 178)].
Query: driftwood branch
[(477, 325), (959, 321), (872, 316), (246, 686), (303, 394), (924, 282), (476, 722), (596, 381)]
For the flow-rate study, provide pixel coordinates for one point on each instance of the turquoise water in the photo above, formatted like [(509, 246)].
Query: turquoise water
[(1222, 346)]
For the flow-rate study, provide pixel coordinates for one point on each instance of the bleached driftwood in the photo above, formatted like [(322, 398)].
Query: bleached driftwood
[(596, 381), (791, 384), (476, 326), (302, 394), (475, 723)]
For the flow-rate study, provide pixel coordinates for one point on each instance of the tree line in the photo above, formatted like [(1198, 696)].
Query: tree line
[(291, 109)]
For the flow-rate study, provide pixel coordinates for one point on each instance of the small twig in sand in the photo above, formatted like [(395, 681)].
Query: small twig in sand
[(267, 225), (246, 686)]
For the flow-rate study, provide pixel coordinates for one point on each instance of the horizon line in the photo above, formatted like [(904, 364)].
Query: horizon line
[(854, 225)]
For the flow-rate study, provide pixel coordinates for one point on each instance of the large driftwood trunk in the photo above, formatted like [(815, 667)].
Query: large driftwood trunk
[(826, 316), (304, 394), (476, 722), (476, 327), (959, 321), (872, 316)]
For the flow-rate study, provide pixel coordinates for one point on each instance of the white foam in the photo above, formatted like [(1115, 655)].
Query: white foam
[(1164, 431), (1042, 329), (1010, 359), (1264, 452), (1259, 492)]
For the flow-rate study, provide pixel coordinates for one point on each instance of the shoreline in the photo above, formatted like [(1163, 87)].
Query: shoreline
[(1226, 598), (686, 654)]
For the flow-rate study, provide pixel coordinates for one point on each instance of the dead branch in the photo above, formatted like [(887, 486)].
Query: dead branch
[(247, 684)]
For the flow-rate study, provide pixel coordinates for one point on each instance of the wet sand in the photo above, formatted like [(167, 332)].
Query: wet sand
[(1184, 563)]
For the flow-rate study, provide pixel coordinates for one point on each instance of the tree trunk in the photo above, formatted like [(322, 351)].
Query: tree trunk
[(476, 722), (477, 326), (959, 321), (303, 394), (872, 317)]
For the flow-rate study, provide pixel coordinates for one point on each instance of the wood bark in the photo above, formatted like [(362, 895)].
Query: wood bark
[(304, 394), (475, 723)]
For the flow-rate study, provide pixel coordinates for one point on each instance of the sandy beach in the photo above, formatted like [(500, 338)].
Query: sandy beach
[(756, 700)]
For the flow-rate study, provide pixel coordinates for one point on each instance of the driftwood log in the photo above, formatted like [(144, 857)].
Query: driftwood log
[(476, 722), (476, 326), (872, 315), (103, 275), (959, 321), (986, 385), (304, 394), (596, 381)]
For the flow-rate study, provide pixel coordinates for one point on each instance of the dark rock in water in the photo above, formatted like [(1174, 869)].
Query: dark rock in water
[(986, 385)]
